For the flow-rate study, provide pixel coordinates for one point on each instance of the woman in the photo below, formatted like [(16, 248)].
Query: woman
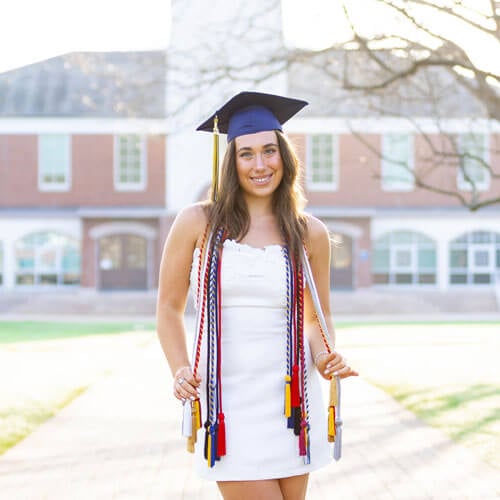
[(252, 369)]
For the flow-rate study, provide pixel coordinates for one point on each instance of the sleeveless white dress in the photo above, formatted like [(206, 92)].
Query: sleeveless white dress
[(258, 443)]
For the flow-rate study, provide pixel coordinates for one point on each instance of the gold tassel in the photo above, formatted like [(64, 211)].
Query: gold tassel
[(331, 424), (215, 165), (331, 410), (209, 450), (288, 397), (334, 399), (195, 425)]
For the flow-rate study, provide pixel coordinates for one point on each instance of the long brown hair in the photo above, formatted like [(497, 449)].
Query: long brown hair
[(231, 212)]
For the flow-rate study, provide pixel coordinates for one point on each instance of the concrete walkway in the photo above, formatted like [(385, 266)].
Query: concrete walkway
[(121, 440)]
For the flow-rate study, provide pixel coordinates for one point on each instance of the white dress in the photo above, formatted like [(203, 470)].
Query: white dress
[(258, 443)]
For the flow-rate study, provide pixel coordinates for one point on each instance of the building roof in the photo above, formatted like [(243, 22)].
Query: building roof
[(87, 84)]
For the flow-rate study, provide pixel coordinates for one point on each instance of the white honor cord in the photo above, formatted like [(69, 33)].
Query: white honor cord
[(314, 295), (337, 448)]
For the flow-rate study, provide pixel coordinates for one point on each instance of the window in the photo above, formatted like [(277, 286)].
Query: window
[(54, 162), (473, 173), (130, 163), (1, 264), (397, 162), (404, 258), (47, 258), (475, 258), (322, 158)]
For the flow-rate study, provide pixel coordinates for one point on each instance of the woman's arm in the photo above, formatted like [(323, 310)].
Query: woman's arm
[(173, 287), (318, 246)]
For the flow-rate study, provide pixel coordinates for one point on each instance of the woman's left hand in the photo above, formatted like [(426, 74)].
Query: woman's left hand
[(334, 364)]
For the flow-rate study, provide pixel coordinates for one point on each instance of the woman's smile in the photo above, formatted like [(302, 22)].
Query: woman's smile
[(262, 180)]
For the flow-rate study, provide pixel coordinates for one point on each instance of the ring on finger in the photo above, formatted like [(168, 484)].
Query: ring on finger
[(180, 380)]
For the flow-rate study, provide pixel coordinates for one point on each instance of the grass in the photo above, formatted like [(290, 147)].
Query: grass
[(45, 366), (446, 374), (29, 331), (18, 422)]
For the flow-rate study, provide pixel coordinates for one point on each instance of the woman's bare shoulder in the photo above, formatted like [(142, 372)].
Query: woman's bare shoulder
[(191, 220), (318, 236), (193, 214)]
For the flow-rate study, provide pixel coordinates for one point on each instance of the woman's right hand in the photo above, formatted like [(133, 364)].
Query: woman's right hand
[(333, 364), (186, 384)]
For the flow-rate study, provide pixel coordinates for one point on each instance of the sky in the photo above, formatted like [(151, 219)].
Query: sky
[(33, 30)]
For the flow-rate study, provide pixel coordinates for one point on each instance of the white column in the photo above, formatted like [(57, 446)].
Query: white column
[(9, 263), (443, 265), (205, 36)]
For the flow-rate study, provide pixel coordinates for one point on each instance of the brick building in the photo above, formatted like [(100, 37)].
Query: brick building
[(90, 180), (82, 171)]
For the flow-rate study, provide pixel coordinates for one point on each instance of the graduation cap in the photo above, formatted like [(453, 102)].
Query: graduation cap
[(248, 113)]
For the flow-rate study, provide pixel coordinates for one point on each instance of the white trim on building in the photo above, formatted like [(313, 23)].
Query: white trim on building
[(325, 125), (84, 126)]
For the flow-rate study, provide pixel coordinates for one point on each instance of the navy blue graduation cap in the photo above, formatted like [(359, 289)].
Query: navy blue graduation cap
[(248, 113)]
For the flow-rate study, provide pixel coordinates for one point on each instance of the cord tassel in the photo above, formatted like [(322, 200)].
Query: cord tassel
[(295, 392), (302, 438), (288, 398), (196, 414), (297, 417), (307, 458), (187, 421), (221, 436), (206, 445), (212, 447), (331, 424), (333, 402), (195, 425)]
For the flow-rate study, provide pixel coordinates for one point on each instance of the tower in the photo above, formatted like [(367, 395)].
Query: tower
[(217, 49)]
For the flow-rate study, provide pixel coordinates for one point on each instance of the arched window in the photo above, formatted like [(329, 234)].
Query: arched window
[(1, 263), (475, 258), (47, 258), (404, 258)]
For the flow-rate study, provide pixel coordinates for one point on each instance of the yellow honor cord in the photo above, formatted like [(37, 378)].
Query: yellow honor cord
[(215, 165)]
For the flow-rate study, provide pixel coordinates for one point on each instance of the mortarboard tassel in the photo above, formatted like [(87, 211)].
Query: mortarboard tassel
[(215, 165)]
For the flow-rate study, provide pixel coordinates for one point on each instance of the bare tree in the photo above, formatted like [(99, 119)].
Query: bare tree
[(416, 64)]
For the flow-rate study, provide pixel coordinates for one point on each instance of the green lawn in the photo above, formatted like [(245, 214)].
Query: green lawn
[(44, 366), (447, 374), (28, 331)]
